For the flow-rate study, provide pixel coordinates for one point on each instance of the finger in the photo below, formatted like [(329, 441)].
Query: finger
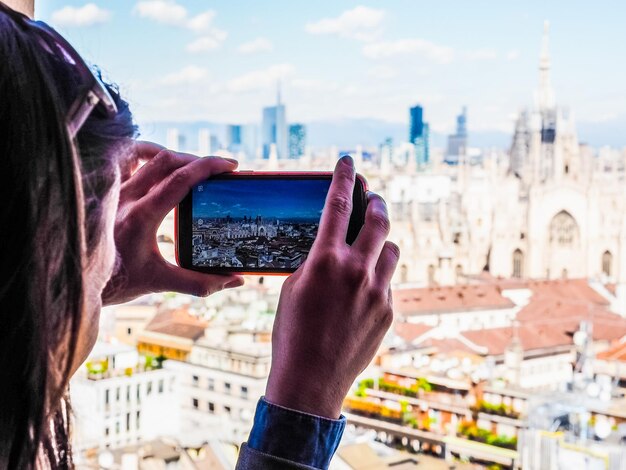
[(169, 192), (338, 206), (133, 159), (154, 171), (374, 232), (176, 279), (387, 262), (146, 151)]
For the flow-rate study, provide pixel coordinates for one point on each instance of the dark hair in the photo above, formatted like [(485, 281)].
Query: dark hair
[(50, 211)]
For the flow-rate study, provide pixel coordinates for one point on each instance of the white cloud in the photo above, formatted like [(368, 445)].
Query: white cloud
[(186, 75), (260, 79), (163, 11), (481, 54), (171, 13), (207, 43), (86, 15), (513, 54), (383, 72), (201, 22), (427, 49), (360, 23), (259, 44)]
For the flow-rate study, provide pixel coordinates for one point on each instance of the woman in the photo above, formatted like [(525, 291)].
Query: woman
[(78, 229)]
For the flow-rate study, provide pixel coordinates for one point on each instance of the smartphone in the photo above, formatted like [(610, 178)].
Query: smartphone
[(256, 223)]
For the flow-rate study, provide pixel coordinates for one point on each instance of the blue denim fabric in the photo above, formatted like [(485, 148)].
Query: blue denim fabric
[(295, 436)]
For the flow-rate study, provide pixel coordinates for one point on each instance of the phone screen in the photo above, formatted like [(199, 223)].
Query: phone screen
[(251, 224)]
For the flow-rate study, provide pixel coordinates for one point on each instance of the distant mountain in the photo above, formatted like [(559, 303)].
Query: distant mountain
[(597, 134), (348, 133)]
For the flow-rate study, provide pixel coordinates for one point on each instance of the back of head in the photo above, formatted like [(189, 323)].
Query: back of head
[(50, 218)]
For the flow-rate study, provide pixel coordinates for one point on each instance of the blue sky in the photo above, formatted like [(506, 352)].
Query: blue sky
[(220, 60), (268, 198)]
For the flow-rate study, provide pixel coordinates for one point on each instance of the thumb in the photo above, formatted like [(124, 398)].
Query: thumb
[(173, 278)]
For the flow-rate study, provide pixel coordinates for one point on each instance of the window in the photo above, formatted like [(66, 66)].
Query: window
[(564, 273), (195, 380), (117, 427), (138, 419), (227, 410), (106, 396), (211, 385), (227, 388), (404, 273), (127, 393), (128, 421), (458, 271), (117, 394), (244, 392), (161, 386), (107, 431), (431, 275), (211, 407), (518, 263), (149, 388), (194, 403), (129, 331), (607, 261), (563, 229), (138, 393)]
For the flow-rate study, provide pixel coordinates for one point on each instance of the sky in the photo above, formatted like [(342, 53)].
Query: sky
[(221, 60), (285, 199)]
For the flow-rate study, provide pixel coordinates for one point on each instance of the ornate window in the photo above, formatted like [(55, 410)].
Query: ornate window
[(563, 229), (607, 262), (518, 263)]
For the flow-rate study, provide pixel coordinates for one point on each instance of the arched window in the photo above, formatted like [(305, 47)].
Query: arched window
[(404, 273), (458, 272), (563, 229), (518, 263), (607, 262), (431, 274)]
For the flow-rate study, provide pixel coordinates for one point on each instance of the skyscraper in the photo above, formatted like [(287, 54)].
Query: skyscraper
[(233, 137), (274, 129), (419, 135), (297, 140), (457, 142), (417, 123)]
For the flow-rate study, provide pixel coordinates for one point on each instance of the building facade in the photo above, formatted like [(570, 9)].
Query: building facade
[(220, 385)]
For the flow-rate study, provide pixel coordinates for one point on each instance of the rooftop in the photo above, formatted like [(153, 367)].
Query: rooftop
[(428, 300), (178, 323)]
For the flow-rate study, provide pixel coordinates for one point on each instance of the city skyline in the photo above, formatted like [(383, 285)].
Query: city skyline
[(211, 68), (266, 198)]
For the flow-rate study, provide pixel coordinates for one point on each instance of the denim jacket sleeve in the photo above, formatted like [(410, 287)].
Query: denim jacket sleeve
[(282, 438)]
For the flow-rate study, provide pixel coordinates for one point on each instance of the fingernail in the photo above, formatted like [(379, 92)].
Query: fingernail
[(235, 283), (231, 160), (347, 160)]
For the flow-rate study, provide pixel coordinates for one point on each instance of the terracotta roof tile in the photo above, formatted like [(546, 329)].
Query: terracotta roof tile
[(410, 331), (571, 289), (614, 353), (178, 323), (449, 299)]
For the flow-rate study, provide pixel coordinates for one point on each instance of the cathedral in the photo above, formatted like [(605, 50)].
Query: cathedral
[(549, 209)]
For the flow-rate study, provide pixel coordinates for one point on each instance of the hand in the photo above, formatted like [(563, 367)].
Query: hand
[(145, 199), (333, 311)]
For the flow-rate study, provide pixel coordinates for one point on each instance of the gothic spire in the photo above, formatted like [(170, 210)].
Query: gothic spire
[(545, 93)]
